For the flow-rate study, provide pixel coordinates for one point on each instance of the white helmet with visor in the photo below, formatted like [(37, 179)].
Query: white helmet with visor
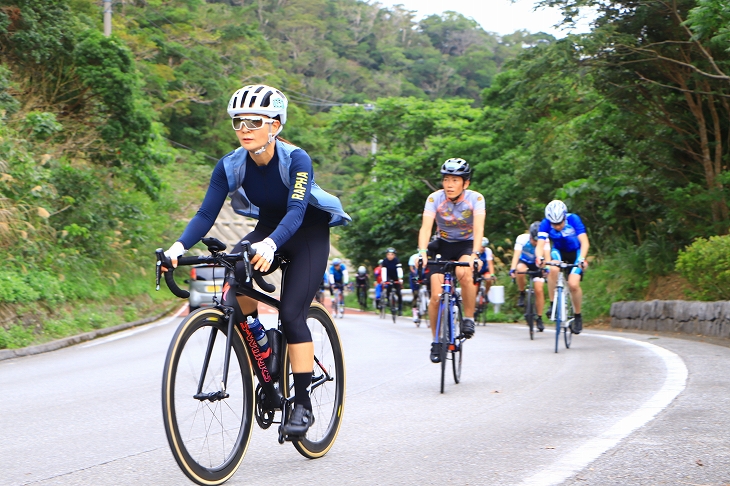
[(555, 211)]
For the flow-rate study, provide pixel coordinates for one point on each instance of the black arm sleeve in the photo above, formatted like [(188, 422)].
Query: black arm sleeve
[(203, 220)]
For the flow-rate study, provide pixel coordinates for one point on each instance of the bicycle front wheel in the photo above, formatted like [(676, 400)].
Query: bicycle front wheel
[(558, 316), (445, 338), (457, 349), (208, 429), (530, 314), (328, 384), (393, 305), (568, 333)]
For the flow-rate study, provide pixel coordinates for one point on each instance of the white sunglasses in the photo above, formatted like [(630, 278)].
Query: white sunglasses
[(250, 122)]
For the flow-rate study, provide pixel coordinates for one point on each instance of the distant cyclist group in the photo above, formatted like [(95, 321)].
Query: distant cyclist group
[(272, 180)]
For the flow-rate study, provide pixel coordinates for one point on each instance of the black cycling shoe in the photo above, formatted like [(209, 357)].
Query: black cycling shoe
[(540, 325), (467, 327), (577, 324), (435, 353), (521, 300), (299, 421)]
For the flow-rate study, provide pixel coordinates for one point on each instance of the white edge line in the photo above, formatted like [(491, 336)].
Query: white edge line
[(576, 460), (132, 332)]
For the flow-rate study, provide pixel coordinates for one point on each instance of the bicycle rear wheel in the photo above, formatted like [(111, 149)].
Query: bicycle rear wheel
[(530, 314), (456, 352), (208, 436), (445, 338), (327, 395)]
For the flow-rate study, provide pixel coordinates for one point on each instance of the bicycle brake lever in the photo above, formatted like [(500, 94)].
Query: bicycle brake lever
[(158, 268)]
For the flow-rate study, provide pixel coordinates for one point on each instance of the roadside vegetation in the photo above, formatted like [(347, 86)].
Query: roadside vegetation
[(106, 144)]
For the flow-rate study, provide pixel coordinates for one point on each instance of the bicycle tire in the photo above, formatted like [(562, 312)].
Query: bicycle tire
[(382, 306), (530, 314), (568, 334), (393, 306), (558, 317), (456, 353), (445, 338), (208, 439), (328, 399)]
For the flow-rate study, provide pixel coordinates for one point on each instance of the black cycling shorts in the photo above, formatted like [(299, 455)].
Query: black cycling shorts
[(307, 251), (449, 250)]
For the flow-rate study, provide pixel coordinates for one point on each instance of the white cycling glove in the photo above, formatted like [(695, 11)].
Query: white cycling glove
[(175, 251), (265, 249)]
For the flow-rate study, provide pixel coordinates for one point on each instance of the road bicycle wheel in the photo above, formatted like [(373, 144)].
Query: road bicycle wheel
[(382, 306), (208, 436), (328, 396), (362, 299), (568, 333), (558, 316), (457, 348), (445, 338), (393, 305), (530, 313)]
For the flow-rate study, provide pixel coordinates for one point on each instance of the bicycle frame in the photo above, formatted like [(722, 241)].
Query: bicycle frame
[(559, 309), (449, 293)]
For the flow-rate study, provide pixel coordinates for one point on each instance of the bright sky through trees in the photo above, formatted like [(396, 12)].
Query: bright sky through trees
[(500, 16)]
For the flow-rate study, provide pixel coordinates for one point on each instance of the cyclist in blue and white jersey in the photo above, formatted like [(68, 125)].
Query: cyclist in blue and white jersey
[(459, 215), (392, 272), (487, 258), (523, 260), (338, 277), (570, 242)]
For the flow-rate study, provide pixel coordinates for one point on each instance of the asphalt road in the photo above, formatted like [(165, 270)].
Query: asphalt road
[(617, 408)]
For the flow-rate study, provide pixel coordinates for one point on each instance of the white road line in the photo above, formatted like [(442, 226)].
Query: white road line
[(137, 330), (577, 459)]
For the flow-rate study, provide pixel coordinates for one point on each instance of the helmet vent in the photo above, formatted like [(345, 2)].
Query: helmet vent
[(265, 100), (253, 100), (258, 90)]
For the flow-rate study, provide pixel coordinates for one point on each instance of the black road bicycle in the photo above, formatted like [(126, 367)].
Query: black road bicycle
[(209, 401), (530, 307), (362, 297)]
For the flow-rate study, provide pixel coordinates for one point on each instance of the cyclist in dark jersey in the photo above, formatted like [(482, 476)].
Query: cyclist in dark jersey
[(392, 272), (270, 179)]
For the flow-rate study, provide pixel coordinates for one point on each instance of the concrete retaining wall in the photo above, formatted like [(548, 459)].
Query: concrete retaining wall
[(691, 317)]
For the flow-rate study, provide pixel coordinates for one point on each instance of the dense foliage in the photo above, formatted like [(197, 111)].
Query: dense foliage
[(628, 123)]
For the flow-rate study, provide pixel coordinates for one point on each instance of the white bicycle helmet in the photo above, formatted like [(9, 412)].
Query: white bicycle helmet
[(361, 270), (555, 211), (261, 100), (485, 242), (336, 261)]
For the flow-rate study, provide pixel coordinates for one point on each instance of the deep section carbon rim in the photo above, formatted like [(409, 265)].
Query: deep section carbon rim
[(327, 395), (208, 436)]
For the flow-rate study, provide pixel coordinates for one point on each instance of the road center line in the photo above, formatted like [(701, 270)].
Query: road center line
[(136, 330), (577, 459)]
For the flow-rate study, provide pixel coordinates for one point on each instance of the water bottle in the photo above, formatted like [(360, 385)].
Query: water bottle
[(259, 334)]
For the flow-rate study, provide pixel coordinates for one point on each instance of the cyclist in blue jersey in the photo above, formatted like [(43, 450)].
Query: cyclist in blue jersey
[(338, 277), (523, 260), (272, 180), (570, 243), (487, 258)]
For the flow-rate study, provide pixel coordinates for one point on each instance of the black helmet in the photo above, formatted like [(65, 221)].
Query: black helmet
[(390, 250), (534, 227), (456, 167)]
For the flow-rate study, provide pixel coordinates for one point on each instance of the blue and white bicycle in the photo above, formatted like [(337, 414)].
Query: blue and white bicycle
[(562, 310)]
